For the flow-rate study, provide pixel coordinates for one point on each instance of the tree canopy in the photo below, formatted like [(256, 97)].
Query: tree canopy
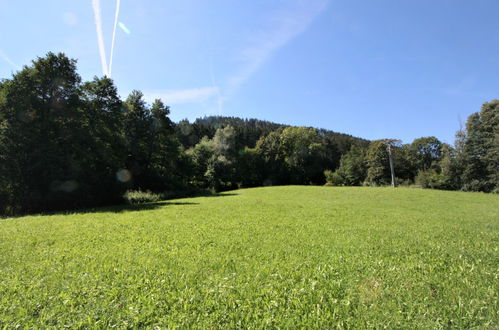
[(65, 144)]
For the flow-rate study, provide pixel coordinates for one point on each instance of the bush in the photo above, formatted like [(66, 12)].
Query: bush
[(333, 178), (135, 197), (432, 179), (424, 179), (403, 182)]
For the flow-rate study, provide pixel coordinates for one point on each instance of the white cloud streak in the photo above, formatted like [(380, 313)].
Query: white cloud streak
[(7, 59), (100, 35), (124, 28), (285, 26), (182, 96), (213, 82), (116, 15)]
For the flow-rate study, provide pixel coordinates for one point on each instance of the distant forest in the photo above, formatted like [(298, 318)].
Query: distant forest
[(67, 144)]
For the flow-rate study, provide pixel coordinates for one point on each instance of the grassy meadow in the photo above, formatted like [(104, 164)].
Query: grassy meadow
[(287, 257)]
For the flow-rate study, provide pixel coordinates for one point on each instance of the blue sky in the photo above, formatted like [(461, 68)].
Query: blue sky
[(374, 69)]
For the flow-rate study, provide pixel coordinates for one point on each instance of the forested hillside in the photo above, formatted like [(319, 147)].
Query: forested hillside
[(65, 143)]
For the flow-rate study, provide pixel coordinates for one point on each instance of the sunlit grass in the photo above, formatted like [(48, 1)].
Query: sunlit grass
[(281, 256)]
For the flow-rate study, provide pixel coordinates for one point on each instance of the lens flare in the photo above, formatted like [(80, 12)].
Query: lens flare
[(123, 175)]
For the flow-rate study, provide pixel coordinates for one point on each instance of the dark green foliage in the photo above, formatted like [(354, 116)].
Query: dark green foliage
[(444, 174), (139, 140), (337, 145), (250, 131), (154, 158), (352, 170), (221, 169), (46, 147), (404, 159), (106, 153), (334, 178), (293, 155), (169, 167), (479, 150), (378, 172), (66, 144), (490, 130), (200, 156), (250, 168), (274, 169), (303, 154), (247, 131), (215, 160), (427, 150)]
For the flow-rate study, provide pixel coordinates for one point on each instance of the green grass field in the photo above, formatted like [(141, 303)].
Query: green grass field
[(288, 257)]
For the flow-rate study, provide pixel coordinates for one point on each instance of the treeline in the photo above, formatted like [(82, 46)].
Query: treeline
[(471, 165), (66, 144)]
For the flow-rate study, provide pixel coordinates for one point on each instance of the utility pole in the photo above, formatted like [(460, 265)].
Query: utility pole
[(391, 163)]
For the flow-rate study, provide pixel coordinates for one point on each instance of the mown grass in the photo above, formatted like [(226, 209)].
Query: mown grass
[(311, 257)]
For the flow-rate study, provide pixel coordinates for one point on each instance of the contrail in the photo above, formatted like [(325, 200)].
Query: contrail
[(100, 37), (117, 13), (124, 28), (7, 59), (212, 76), (214, 84)]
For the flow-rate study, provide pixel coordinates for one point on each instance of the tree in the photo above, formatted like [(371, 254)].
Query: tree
[(427, 151), (250, 168), (139, 136), (42, 125), (166, 153), (303, 154), (442, 175), (406, 163), (60, 140), (105, 138), (221, 171), (215, 160), (378, 161), (479, 149), (268, 148), (200, 155), (489, 115), (352, 170)]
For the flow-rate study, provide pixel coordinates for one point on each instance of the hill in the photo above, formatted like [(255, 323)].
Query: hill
[(250, 130), (312, 257), (62, 139)]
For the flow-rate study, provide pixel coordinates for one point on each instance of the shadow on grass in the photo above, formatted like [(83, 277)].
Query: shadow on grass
[(128, 208), (121, 208), (144, 207), (219, 195)]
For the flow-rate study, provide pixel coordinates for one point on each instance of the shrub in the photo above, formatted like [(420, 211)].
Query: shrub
[(403, 182), (333, 178), (432, 179), (134, 197)]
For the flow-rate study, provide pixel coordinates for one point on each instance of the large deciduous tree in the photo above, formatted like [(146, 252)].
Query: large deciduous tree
[(427, 151), (303, 154), (56, 136)]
